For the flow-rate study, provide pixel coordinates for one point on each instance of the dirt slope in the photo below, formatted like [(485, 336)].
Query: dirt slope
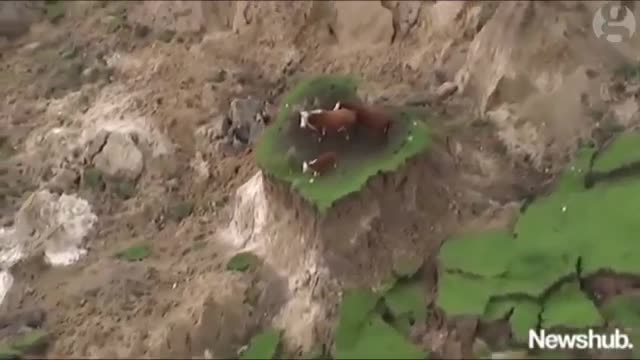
[(127, 106)]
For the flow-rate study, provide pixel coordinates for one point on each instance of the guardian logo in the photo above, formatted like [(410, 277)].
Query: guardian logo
[(614, 23)]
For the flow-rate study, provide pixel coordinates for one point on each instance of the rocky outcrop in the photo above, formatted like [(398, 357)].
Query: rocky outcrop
[(16, 17), (119, 157)]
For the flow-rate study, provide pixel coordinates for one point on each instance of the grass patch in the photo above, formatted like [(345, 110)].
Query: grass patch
[(284, 145), (134, 253), (242, 262), (522, 313), (263, 346), (29, 343), (54, 11), (378, 340), (569, 307), (92, 178), (9, 354), (530, 274), (407, 300), (621, 152), (376, 325), (124, 189), (629, 71), (363, 333), (624, 311)]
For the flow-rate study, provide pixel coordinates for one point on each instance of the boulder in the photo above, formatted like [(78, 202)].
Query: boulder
[(16, 18), (120, 157), (247, 119)]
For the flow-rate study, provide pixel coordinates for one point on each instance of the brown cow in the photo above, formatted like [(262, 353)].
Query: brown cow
[(370, 116), (326, 161), (331, 121)]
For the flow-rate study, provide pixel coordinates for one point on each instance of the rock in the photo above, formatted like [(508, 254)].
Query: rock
[(120, 157), (63, 181), (90, 74), (247, 121), (363, 24), (445, 90), (171, 16), (30, 48), (408, 13), (32, 318), (223, 146), (55, 224), (16, 18), (95, 144), (443, 14), (222, 126)]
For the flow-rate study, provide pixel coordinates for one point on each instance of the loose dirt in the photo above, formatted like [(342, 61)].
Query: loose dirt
[(533, 83)]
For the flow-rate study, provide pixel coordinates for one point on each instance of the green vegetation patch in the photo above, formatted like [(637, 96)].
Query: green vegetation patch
[(29, 343), (531, 273), (54, 10), (378, 340), (363, 334), (407, 300), (570, 307), (92, 178), (377, 325), (125, 189), (523, 314), (134, 253), (263, 346), (629, 71), (284, 145), (624, 311), (623, 151), (242, 262)]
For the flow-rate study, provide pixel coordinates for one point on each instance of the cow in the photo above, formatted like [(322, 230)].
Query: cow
[(320, 165), (372, 117), (328, 121)]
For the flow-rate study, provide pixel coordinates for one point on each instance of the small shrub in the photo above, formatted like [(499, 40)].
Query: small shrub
[(134, 253), (31, 342), (263, 346), (242, 262), (124, 189), (54, 11), (92, 178)]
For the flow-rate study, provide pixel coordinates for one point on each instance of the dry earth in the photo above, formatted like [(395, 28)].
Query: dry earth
[(161, 98)]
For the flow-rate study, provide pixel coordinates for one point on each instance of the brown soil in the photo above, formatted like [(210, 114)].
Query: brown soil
[(519, 113)]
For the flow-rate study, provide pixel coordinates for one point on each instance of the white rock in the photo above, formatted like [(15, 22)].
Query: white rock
[(6, 281), (57, 224)]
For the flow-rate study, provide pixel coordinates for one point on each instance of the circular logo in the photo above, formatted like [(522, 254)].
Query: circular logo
[(614, 23)]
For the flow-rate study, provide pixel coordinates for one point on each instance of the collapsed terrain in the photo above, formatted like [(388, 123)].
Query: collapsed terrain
[(127, 178)]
